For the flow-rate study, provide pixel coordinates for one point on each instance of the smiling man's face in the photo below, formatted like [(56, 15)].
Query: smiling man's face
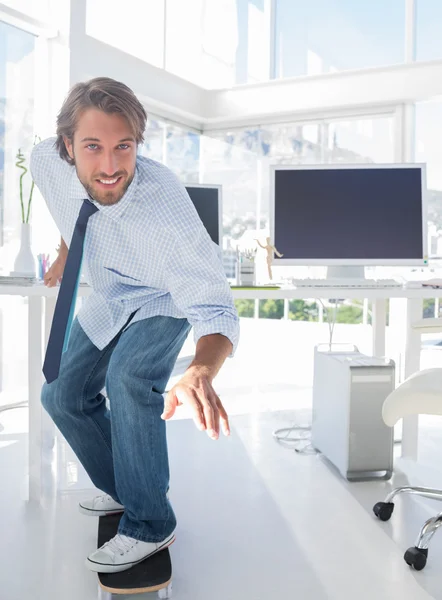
[(105, 151)]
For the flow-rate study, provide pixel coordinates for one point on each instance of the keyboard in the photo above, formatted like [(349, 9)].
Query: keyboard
[(347, 283)]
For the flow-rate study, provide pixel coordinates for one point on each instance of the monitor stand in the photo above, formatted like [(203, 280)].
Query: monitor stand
[(345, 272)]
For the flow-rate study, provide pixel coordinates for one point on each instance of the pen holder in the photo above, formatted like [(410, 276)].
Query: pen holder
[(246, 271)]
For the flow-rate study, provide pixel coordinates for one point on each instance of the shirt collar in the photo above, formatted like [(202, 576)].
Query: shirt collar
[(77, 191)]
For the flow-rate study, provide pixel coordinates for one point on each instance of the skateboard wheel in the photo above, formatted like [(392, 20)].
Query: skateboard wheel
[(165, 592)]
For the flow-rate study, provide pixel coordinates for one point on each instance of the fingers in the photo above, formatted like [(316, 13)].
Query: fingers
[(169, 406), (207, 410), (189, 397), (50, 279), (211, 414), (225, 426)]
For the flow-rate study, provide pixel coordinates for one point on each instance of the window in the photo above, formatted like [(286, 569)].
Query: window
[(322, 36), (182, 153), (218, 44), (359, 140), (16, 131), (232, 161), (134, 27), (428, 38), (428, 150), (154, 136), (173, 146)]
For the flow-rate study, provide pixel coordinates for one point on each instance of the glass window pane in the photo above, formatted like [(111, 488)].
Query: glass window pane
[(182, 153), (16, 132), (428, 29), (154, 136), (218, 44), (428, 150), (322, 36), (138, 29), (183, 39), (359, 140), (231, 160)]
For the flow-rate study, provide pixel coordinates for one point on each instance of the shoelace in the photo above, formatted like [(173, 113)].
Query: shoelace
[(120, 544), (101, 499)]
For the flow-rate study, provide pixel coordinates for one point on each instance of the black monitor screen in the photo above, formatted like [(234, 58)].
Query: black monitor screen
[(361, 213), (206, 201)]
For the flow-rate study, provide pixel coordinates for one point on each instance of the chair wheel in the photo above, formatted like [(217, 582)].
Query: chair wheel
[(383, 510), (416, 558)]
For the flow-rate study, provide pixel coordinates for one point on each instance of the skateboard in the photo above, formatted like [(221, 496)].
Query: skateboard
[(154, 574)]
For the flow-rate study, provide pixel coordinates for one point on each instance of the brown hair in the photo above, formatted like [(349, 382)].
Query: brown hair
[(107, 95)]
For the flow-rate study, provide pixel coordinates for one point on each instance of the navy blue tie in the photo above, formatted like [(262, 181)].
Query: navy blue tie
[(64, 309)]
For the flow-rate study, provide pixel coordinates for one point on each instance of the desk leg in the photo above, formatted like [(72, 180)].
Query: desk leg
[(410, 427), (378, 327), (35, 381)]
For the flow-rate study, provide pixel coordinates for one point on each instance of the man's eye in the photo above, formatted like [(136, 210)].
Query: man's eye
[(123, 146), (92, 146)]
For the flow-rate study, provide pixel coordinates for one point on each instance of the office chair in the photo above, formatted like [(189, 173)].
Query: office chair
[(419, 394)]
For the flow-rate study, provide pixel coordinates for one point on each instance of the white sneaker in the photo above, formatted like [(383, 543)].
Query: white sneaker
[(123, 552), (100, 506)]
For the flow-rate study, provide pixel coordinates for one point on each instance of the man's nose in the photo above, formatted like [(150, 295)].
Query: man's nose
[(109, 163)]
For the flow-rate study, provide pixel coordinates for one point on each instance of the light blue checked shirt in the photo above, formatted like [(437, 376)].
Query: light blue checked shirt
[(149, 252)]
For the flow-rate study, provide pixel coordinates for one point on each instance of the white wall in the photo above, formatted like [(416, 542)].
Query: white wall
[(331, 93)]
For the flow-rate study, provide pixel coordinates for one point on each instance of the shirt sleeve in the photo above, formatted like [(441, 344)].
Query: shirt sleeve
[(195, 275)]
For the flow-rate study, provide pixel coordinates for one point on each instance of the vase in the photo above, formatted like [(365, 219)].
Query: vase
[(25, 265)]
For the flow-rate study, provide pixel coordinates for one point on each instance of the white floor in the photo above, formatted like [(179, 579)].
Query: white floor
[(255, 520)]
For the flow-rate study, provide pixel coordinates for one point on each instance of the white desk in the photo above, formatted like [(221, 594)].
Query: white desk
[(42, 303)]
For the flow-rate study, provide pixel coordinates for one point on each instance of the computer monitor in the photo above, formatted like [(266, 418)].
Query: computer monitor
[(207, 200), (349, 215)]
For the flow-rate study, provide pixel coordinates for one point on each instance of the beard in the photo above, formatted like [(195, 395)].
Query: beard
[(98, 191)]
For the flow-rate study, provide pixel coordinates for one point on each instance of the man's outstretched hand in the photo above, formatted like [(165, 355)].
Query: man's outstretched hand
[(195, 390)]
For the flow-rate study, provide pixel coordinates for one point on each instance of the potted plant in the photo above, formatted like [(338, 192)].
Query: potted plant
[(25, 265)]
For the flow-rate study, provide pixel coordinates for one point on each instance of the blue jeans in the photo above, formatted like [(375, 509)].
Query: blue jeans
[(124, 450)]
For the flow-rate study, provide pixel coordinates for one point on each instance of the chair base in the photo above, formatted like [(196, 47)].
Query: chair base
[(425, 492), (415, 557)]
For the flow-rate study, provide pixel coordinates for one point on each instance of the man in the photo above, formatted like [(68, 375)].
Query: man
[(155, 273)]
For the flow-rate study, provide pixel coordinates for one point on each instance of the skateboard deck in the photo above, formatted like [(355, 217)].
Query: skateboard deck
[(153, 574)]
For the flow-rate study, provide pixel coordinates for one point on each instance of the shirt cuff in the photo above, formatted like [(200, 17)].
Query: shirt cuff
[(229, 327)]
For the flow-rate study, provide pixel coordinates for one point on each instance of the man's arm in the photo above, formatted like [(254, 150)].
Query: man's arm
[(199, 287), (55, 272), (195, 387), (211, 352), (62, 249), (196, 281)]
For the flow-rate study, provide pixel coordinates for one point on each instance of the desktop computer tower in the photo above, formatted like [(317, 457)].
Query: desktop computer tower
[(349, 389)]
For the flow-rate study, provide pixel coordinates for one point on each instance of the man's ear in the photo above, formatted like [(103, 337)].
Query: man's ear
[(69, 146)]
